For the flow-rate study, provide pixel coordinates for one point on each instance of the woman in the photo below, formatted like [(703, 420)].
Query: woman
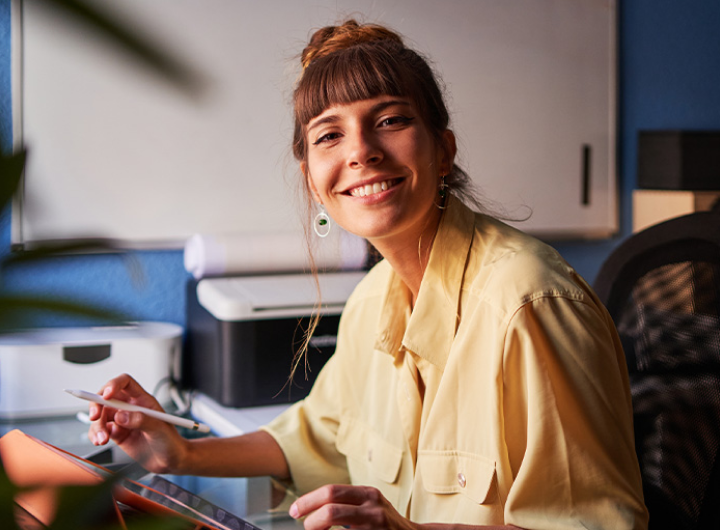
[(477, 379)]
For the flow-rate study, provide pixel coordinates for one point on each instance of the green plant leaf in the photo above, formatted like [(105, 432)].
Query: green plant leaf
[(7, 496), (51, 249), (137, 45), (54, 249), (13, 309), (92, 507), (11, 170), (85, 506)]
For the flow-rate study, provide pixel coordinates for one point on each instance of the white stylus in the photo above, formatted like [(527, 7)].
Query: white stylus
[(121, 405)]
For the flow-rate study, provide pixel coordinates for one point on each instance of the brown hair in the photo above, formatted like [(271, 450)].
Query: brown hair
[(352, 62)]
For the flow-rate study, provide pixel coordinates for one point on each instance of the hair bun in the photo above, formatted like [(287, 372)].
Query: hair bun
[(333, 38)]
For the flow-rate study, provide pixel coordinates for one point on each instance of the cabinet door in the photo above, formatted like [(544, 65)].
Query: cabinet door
[(115, 152), (536, 111)]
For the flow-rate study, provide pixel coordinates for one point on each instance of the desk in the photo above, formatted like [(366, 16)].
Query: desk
[(252, 499)]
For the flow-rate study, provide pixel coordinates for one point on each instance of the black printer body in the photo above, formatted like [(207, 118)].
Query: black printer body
[(243, 332)]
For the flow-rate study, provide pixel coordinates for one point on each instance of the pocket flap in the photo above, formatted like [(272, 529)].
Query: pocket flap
[(446, 472), (357, 441)]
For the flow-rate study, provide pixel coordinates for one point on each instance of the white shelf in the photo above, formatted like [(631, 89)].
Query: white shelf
[(226, 421)]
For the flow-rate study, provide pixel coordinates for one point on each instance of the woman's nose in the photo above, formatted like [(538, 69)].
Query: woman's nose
[(363, 151)]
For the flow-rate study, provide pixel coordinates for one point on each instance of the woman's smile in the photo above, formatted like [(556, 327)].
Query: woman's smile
[(372, 189)]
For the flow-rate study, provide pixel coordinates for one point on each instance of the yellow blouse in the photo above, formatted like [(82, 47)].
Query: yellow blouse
[(501, 398)]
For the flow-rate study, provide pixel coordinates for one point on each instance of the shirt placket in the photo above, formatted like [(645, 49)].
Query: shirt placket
[(409, 403)]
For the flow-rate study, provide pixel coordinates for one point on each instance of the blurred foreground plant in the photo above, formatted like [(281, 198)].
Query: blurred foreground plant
[(79, 506)]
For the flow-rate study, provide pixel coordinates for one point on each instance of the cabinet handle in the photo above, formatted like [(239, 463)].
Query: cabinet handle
[(586, 159)]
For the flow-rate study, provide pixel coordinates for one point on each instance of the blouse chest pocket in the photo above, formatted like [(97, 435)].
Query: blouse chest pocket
[(369, 456), (456, 472)]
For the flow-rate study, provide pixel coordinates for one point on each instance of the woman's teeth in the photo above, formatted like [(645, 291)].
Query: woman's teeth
[(370, 189)]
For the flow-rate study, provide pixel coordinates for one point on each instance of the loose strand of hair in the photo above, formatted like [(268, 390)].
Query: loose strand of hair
[(301, 354)]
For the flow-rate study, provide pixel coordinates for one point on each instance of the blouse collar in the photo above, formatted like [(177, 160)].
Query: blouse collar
[(428, 331)]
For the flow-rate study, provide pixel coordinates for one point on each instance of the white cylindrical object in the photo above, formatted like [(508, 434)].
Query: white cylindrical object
[(227, 254)]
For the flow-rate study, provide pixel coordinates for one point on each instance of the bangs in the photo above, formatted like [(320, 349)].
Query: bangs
[(365, 71), (354, 74)]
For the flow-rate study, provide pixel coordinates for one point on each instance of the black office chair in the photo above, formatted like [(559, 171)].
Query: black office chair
[(662, 288)]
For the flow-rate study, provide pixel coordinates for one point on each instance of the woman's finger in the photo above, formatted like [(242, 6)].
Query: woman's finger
[(107, 422), (125, 388), (331, 515), (355, 506), (330, 494), (109, 390), (99, 431)]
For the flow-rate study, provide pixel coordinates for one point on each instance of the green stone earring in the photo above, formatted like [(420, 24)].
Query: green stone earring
[(322, 223)]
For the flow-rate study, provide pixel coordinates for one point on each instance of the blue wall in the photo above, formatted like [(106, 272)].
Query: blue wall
[(669, 78)]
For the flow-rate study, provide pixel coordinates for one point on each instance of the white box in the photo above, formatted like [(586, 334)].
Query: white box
[(37, 365), (651, 207)]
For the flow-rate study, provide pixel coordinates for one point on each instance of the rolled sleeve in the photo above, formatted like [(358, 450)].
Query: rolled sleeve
[(570, 445), (307, 432)]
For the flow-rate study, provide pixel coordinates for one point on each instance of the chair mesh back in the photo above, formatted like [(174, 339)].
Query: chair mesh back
[(668, 318)]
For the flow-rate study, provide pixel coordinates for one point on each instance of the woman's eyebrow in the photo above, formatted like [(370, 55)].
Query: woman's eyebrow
[(332, 118), (379, 107), (390, 103)]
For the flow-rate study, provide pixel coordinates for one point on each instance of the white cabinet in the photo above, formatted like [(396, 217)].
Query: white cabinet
[(116, 152), (536, 107)]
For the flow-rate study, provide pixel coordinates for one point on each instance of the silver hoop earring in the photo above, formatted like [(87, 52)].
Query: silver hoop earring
[(442, 192), (321, 225)]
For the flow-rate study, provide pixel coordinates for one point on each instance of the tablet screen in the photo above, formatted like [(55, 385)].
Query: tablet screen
[(171, 496)]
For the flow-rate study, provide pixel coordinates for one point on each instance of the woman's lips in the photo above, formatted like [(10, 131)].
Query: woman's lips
[(371, 189)]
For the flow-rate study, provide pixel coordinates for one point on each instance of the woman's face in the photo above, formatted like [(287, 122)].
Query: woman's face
[(375, 167)]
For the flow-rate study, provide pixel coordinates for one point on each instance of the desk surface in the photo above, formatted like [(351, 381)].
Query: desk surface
[(260, 501), (226, 421)]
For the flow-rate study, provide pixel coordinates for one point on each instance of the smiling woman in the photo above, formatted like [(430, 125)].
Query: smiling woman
[(477, 379), (368, 116)]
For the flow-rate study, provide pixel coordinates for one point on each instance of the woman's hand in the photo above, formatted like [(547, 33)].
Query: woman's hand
[(350, 506), (155, 444)]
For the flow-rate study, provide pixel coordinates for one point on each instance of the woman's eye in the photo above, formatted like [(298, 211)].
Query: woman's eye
[(326, 138), (395, 120)]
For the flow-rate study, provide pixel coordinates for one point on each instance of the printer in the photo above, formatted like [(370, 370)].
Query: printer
[(243, 332)]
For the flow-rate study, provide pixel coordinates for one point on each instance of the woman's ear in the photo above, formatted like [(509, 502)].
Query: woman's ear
[(448, 150), (310, 183)]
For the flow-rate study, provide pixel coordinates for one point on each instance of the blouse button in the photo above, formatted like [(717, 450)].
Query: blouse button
[(461, 480), (369, 455)]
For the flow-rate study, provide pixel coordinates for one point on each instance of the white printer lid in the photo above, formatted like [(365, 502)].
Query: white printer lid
[(75, 336), (264, 297)]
